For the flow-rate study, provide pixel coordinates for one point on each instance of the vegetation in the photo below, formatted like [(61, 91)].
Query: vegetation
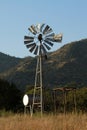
[(7, 62), (48, 99), (10, 97), (47, 122)]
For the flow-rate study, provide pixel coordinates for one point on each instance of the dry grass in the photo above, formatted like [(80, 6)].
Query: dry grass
[(47, 122)]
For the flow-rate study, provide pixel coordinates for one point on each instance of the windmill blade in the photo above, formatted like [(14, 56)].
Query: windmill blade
[(58, 37), (32, 48), (50, 35), (28, 38), (36, 50), (28, 42), (38, 27), (41, 27), (50, 39), (30, 45), (48, 42), (49, 31), (46, 29), (43, 49), (47, 46), (32, 29)]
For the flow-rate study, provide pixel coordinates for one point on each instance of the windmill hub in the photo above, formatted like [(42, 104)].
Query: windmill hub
[(40, 37)]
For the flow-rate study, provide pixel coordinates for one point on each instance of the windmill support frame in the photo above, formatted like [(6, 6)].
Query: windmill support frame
[(37, 95), (39, 42)]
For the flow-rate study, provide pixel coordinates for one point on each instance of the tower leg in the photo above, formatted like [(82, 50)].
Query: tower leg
[(37, 95)]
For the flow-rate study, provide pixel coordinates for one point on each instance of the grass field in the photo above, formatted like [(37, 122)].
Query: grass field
[(47, 122)]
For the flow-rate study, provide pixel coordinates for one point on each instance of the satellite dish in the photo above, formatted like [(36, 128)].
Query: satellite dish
[(25, 100)]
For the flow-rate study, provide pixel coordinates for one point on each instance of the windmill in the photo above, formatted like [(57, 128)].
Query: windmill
[(40, 41)]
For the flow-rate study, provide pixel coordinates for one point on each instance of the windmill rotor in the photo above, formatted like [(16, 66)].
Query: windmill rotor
[(41, 39)]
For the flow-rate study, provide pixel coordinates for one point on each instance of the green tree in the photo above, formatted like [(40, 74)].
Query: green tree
[(10, 96)]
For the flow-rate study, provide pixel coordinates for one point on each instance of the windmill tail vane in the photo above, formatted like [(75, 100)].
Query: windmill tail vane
[(58, 37)]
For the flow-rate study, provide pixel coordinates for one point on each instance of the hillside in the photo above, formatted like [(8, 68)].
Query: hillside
[(70, 63), (64, 66), (7, 62)]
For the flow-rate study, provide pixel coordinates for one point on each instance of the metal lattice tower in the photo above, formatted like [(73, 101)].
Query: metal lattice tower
[(40, 41)]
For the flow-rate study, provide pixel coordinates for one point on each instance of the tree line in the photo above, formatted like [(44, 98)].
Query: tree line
[(50, 103), (11, 98)]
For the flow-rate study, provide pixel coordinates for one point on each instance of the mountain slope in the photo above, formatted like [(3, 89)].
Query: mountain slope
[(70, 63), (20, 73), (66, 65), (7, 62)]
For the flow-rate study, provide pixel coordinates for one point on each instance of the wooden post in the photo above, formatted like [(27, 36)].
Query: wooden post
[(75, 100), (64, 95), (65, 90), (54, 101)]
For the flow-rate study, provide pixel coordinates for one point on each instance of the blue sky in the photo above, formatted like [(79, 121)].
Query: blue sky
[(66, 16)]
